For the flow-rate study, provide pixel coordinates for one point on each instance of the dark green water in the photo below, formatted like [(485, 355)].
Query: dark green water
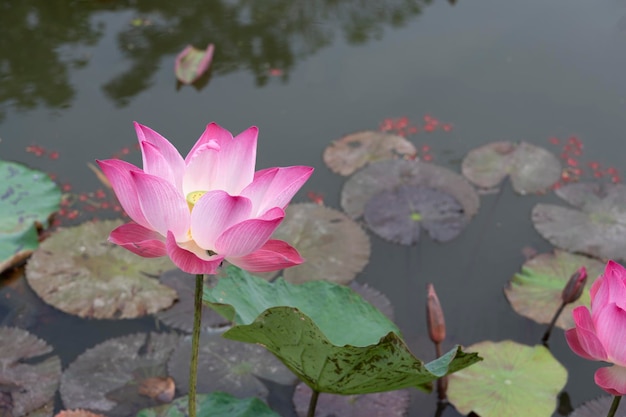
[(75, 74)]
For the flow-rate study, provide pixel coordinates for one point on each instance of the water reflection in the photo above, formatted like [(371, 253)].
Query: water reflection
[(38, 39)]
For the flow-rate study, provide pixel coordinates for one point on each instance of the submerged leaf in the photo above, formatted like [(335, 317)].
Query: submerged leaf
[(191, 63), (597, 228), (334, 246), (513, 380), (398, 215), (27, 199), (216, 404), (326, 334), (374, 297), (598, 407), (390, 174), (108, 377), (77, 271), (346, 155), (228, 366), (380, 404), (532, 169), (535, 292), (28, 379)]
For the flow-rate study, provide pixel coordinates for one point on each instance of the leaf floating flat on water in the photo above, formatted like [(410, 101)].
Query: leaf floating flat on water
[(598, 407), (228, 366), (352, 152), (597, 224), (381, 404), (388, 175), (27, 199), (513, 380), (398, 215), (77, 271), (532, 169), (216, 404), (180, 315), (28, 380), (334, 246), (108, 378), (320, 323), (191, 63), (535, 292)]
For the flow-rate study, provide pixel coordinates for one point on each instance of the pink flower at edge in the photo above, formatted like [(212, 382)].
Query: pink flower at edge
[(209, 207), (600, 334)]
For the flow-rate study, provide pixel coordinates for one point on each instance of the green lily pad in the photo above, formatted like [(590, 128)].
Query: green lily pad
[(535, 292), (326, 334), (352, 152), (77, 271), (398, 215), (389, 174), (598, 407), (29, 376), (191, 63), (107, 378), (597, 224), (216, 404), (513, 380), (532, 169), (228, 366), (380, 404), (335, 247), (27, 199)]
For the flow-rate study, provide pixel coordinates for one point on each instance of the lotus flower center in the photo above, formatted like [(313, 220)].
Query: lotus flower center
[(193, 197)]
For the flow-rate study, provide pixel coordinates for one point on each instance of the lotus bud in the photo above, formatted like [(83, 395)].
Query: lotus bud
[(434, 316), (575, 286)]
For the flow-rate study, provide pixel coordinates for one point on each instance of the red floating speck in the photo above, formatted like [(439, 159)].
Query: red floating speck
[(554, 140), (53, 155), (427, 157), (100, 194), (66, 187), (317, 198), (447, 127)]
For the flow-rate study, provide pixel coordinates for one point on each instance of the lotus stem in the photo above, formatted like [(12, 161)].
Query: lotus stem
[(614, 406), (546, 335), (195, 342), (313, 403)]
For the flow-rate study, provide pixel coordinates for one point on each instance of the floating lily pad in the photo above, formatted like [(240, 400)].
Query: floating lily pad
[(513, 380), (596, 227), (374, 297), (77, 271), (334, 246), (398, 215), (108, 377), (354, 151), (535, 292), (321, 323), (216, 404), (532, 169), (27, 199), (598, 407), (191, 63), (180, 315), (388, 175), (380, 404), (228, 366), (28, 379)]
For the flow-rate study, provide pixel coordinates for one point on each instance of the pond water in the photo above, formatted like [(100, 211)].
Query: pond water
[(75, 74)]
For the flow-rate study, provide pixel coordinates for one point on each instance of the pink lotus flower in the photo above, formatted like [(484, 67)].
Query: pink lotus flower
[(601, 334), (206, 208)]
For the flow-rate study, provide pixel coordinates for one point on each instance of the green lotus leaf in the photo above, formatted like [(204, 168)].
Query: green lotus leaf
[(216, 404), (535, 292), (326, 334), (27, 199), (513, 380)]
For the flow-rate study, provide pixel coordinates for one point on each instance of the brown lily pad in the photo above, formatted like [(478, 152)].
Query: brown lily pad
[(352, 152), (374, 297), (380, 404), (28, 380), (79, 272), (532, 169), (111, 377), (228, 366), (335, 247), (535, 292), (598, 407), (388, 175)]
